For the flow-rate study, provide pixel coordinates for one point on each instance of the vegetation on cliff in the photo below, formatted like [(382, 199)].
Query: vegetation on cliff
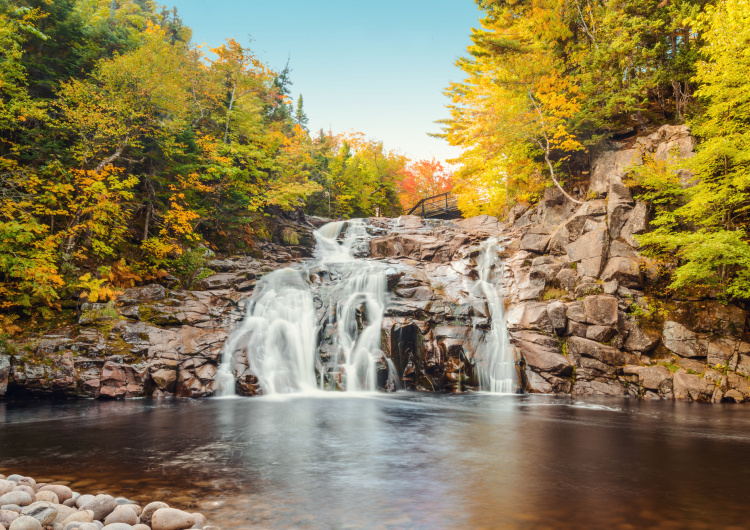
[(548, 81)]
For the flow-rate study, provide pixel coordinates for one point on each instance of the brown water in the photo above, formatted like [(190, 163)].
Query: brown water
[(399, 461)]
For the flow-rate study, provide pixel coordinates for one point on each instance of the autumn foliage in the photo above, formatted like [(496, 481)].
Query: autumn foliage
[(422, 179)]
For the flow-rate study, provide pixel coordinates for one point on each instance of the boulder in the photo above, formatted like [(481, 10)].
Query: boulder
[(637, 224), (541, 353), (530, 315), (536, 243), (546, 268), (589, 252), (692, 387), (601, 310), (637, 339), (140, 295), (605, 354), (683, 342), (171, 519), (557, 312), (610, 168), (626, 271), (600, 333), (619, 204), (567, 279), (657, 378), (4, 373)]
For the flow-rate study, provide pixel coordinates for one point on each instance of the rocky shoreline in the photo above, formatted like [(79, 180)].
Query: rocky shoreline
[(26, 504)]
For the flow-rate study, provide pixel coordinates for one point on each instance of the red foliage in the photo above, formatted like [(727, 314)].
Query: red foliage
[(422, 179)]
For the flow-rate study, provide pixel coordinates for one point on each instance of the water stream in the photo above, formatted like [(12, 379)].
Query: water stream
[(318, 326)]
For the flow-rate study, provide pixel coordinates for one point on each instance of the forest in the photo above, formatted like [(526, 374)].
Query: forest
[(128, 152), (547, 81)]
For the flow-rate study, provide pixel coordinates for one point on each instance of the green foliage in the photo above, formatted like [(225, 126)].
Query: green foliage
[(190, 267)]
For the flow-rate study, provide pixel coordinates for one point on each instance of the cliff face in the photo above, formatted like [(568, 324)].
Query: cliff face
[(582, 307)]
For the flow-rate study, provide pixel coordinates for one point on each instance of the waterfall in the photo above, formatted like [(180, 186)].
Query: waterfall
[(280, 331), (496, 363), (278, 335)]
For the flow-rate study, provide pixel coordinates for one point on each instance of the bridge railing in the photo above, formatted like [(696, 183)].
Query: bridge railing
[(435, 205)]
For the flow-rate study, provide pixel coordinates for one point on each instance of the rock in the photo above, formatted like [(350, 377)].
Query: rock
[(121, 514), (63, 492), (165, 379), (588, 288), (609, 168), (26, 523), (6, 486), (42, 511), (680, 340), (619, 204), (171, 519), (83, 516), (200, 520), (19, 498), (11, 508), (101, 505), (141, 527), (63, 512), (734, 396), (139, 295), (7, 517), (530, 315), (567, 278), (691, 387), (576, 312), (557, 312), (545, 267), (600, 333), (601, 310), (657, 378), (149, 510), (542, 353), (27, 489), (83, 499), (590, 252), (48, 496), (605, 354), (626, 271), (118, 526), (536, 243), (637, 224)]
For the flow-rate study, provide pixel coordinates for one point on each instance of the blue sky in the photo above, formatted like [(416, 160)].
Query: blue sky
[(376, 66)]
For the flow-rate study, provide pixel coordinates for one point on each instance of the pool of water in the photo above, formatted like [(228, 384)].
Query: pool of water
[(399, 461)]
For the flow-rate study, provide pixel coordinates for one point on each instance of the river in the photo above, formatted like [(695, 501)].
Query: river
[(403, 460)]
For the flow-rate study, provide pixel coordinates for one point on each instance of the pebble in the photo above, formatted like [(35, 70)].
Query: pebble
[(19, 498), (63, 512), (27, 489), (121, 514), (136, 508), (48, 496), (199, 520), (171, 519), (118, 526), (14, 478), (83, 499), (11, 507), (89, 526), (69, 503), (28, 481), (6, 486), (101, 505), (141, 527), (84, 516), (7, 517), (149, 510), (44, 512), (26, 523), (63, 492)]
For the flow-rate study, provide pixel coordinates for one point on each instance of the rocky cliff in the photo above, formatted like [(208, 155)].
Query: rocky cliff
[(583, 308)]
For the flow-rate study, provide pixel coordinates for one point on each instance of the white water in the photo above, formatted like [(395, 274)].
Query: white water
[(279, 332), (496, 362)]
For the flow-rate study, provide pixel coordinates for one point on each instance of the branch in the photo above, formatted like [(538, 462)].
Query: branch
[(585, 26), (117, 154)]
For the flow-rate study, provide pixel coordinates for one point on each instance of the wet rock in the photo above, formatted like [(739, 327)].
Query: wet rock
[(171, 519), (601, 310), (4, 373)]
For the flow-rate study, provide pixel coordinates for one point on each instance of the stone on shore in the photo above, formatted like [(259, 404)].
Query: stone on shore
[(42, 511), (122, 514), (101, 505), (26, 522), (19, 498), (171, 519)]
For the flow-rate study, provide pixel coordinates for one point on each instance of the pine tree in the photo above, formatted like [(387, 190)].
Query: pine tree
[(300, 118)]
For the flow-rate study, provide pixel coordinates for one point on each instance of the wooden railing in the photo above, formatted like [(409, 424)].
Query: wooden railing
[(444, 204)]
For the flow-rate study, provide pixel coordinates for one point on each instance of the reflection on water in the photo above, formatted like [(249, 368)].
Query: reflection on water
[(399, 461)]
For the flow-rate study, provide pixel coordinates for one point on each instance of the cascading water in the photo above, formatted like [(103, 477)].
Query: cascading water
[(280, 331), (496, 366)]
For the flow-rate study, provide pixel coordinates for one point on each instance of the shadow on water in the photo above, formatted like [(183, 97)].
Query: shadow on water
[(399, 461)]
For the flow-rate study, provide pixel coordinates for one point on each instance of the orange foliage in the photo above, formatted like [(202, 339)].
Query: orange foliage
[(424, 178)]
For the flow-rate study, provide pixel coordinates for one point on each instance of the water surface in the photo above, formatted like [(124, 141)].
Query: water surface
[(399, 461)]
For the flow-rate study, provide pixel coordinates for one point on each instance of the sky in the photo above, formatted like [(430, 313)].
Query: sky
[(373, 66)]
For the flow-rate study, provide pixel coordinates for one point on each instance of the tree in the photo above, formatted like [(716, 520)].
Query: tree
[(300, 118), (422, 179)]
